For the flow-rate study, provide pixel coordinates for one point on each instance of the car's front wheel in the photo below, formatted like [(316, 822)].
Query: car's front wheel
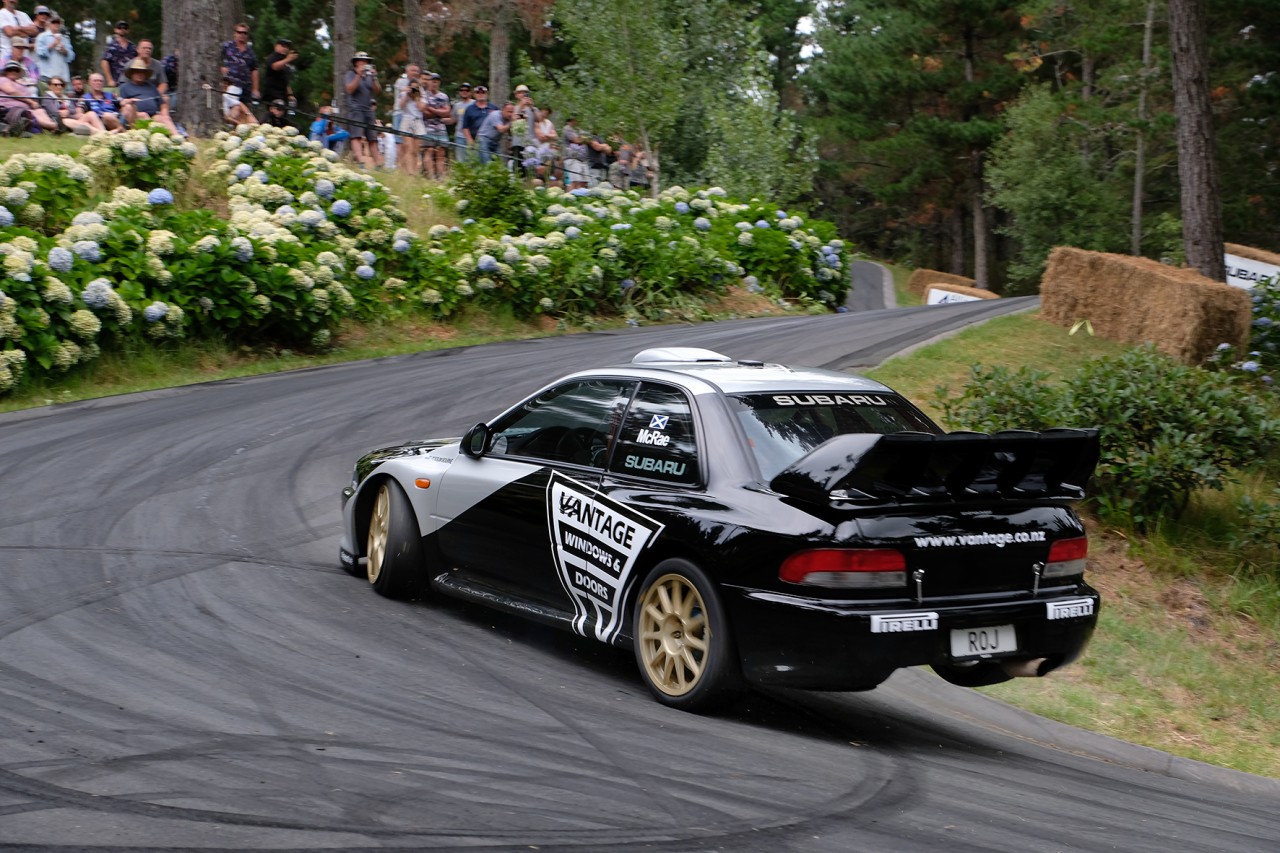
[(682, 639), (394, 565)]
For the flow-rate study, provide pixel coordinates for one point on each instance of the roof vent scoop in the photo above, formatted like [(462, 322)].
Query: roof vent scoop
[(678, 355)]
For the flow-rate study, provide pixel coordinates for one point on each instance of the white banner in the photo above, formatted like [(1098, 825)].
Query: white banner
[(1243, 272), (938, 296)]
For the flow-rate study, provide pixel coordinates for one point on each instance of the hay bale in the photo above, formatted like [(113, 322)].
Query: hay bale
[(1260, 255), (921, 279), (975, 292), (1137, 300)]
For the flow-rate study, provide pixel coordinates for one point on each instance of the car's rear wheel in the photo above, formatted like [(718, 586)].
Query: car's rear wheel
[(394, 564), (682, 639), (981, 674)]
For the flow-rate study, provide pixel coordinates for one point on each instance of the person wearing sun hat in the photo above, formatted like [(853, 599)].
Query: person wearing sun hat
[(141, 99), (362, 86), (15, 98)]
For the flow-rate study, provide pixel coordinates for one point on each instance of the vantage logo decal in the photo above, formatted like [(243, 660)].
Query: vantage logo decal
[(595, 542)]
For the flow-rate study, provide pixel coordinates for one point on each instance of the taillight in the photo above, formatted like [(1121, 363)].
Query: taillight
[(1067, 558), (850, 568)]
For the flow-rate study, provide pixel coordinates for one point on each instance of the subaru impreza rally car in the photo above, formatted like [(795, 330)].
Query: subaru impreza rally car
[(743, 523)]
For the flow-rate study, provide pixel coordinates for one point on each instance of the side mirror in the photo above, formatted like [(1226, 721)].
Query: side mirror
[(476, 441)]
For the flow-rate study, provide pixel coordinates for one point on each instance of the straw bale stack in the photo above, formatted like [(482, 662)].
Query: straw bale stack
[(921, 279), (1137, 300)]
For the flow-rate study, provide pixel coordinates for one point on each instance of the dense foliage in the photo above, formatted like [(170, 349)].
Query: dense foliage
[(1168, 430), (308, 241)]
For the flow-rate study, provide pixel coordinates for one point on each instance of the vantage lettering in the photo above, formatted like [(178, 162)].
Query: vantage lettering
[(657, 466), (595, 518)]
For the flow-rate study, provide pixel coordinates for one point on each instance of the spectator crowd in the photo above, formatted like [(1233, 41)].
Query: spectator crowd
[(429, 128)]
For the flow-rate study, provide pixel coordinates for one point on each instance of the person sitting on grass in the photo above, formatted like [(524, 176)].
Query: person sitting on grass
[(105, 105), (15, 96), (71, 112), (141, 99), (234, 110)]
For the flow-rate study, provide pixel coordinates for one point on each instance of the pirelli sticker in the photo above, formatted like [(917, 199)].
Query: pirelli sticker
[(1073, 609), (596, 542), (896, 623)]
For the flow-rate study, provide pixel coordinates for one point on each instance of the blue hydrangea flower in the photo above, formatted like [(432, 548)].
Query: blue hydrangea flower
[(159, 195), (311, 218), (573, 232), (155, 312), (325, 188), (368, 257), (796, 244), (97, 294), (365, 272), (243, 171), (781, 214), (1263, 322), (760, 223), (87, 250), (620, 226), (626, 284), (468, 222), (3, 299), (6, 218), (60, 259), (1251, 366), (341, 207), (682, 207), (243, 249), (1223, 347), (286, 210), (702, 223), (580, 192), (400, 246), (487, 263), (742, 226)]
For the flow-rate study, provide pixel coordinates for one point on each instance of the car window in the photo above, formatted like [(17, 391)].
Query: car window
[(570, 423), (657, 438), (782, 428)]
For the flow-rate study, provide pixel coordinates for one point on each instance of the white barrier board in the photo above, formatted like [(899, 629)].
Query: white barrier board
[(938, 296), (1243, 272)]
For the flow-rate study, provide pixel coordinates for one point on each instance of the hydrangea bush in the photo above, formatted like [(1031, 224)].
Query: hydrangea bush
[(308, 241)]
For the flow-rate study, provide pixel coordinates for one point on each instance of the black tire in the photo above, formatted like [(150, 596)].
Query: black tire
[(981, 674), (683, 644), (394, 546)]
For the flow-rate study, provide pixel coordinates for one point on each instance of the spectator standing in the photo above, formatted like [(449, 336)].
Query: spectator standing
[(474, 117), (142, 99), (239, 63), (42, 15), (102, 103), (410, 104), (495, 127), (522, 130), (402, 84), (54, 53), (435, 110), (275, 78), (458, 110), (599, 155), (14, 22), (547, 152), (576, 173), (119, 53), (362, 86)]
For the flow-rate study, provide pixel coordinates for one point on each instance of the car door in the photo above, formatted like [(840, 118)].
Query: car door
[(495, 512)]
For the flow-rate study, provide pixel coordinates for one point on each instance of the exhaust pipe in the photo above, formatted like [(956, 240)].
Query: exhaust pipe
[(1029, 668)]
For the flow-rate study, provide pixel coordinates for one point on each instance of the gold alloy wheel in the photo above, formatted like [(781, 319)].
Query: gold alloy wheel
[(674, 635), (379, 530)]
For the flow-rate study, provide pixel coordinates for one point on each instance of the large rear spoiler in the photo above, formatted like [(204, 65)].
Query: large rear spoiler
[(916, 466)]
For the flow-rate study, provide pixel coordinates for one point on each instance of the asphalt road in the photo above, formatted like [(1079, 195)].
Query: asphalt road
[(184, 665)]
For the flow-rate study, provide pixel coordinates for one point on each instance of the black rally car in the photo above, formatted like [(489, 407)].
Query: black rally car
[(738, 522)]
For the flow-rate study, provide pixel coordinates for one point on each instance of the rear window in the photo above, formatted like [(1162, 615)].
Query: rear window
[(782, 428)]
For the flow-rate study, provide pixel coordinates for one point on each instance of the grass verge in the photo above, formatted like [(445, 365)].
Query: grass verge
[(1186, 657)]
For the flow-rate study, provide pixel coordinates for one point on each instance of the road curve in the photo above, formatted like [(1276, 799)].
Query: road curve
[(184, 666)]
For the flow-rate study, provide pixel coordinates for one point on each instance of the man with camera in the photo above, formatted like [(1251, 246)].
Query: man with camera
[(280, 66), (410, 105), (362, 86)]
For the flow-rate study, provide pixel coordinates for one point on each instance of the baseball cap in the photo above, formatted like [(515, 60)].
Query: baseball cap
[(464, 85), (122, 25), (42, 10), (277, 103), (431, 75), (484, 89), (285, 42), (521, 88)]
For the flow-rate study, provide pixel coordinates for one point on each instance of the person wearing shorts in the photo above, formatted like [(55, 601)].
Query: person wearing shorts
[(362, 86), (410, 105), (435, 109)]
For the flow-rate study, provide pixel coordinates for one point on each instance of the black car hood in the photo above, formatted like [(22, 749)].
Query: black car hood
[(914, 466)]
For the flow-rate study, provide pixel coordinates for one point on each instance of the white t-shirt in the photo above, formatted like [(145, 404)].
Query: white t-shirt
[(11, 18)]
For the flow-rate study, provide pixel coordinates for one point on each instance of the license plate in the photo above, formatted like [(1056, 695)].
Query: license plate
[(983, 642)]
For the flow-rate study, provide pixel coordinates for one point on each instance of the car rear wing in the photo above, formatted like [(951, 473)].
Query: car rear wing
[(915, 466)]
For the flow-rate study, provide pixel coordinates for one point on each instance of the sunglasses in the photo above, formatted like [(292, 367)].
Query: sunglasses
[(56, 85)]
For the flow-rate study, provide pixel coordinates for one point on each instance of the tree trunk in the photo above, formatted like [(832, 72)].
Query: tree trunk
[(1140, 159), (414, 34), (981, 275), (199, 26), (344, 40), (1197, 157), (500, 55), (169, 30), (955, 235)]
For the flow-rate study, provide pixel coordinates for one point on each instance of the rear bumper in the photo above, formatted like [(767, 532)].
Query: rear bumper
[(813, 644)]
